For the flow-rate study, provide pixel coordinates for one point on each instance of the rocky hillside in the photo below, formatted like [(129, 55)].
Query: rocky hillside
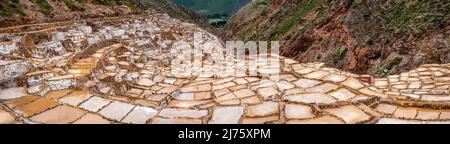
[(213, 8), (376, 37), (15, 12)]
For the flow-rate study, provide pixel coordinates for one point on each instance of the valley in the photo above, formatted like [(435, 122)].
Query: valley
[(217, 11)]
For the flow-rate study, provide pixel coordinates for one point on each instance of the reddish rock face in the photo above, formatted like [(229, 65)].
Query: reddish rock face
[(365, 37)]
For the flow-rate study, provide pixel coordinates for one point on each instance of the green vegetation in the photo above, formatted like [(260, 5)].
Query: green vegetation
[(128, 3), (218, 23), (403, 51), (44, 6), (338, 54), (412, 16), (217, 11), (212, 7), (218, 16), (7, 8), (111, 2), (81, 1), (70, 4), (249, 13), (386, 67), (391, 64), (263, 3), (173, 13), (74, 7), (296, 17)]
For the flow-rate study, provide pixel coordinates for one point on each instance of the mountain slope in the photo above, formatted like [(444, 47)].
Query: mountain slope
[(15, 12), (375, 37), (175, 11), (213, 7)]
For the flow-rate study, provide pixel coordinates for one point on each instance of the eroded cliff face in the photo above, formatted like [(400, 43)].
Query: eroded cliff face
[(375, 37)]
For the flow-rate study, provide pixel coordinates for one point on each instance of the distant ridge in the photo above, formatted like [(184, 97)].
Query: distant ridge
[(14, 12)]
